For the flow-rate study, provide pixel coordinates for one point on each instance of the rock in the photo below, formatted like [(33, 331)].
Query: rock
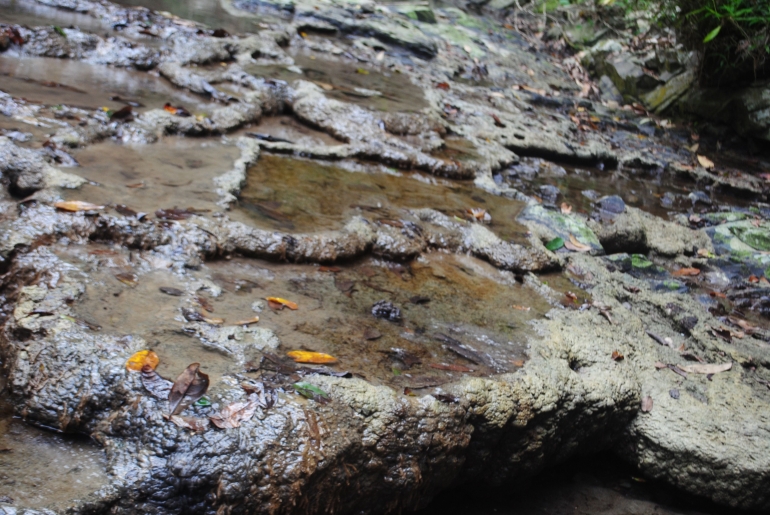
[(549, 193), (421, 13), (628, 76), (666, 94), (747, 110), (609, 207), (609, 92), (386, 310)]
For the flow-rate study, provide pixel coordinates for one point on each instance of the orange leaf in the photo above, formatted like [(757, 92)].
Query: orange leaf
[(616, 356), (247, 322), (576, 245), (304, 356), (331, 269), (753, 279), (686, 272), (521, 308), (566, 208), (282, 302), (169, 108), (142, 358), (76, 205)]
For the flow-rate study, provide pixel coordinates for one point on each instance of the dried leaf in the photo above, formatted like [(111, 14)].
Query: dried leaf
[(566, 208), (168, 290), (281, 302), (450, 367), (196, 424), (371, 333), (517, 362), (686, 272), (660, 365), (443, 85), (302, 356), (498, 122), (647, 404), (125, 113), (576, 245), (76, 205), (743, 324), (362, 71), (311, 391), (617, 356), (705, 162), (479, 214), (521, 308), (190, 386), (139, 359), (233, 414), (331, 269), (247, 321), (158, 386), (127, 278), (205, 303), (178, 111), (706, 368)]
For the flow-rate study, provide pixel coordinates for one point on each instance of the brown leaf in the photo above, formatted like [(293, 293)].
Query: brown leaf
[(205, 303), (706, 368), (158, 386), (346, 287), (660, 365), (498, 122), (565, 208), (76, 205), (705, 162), (518, 362), (743, 324), (127, 278), (278, 303), (125, 113), (647, 404), (196, 424), (576, 245), (616, 356), (419, 299), (521, 308), (249, 321), (190, 386), (443, 85), (233, 414), (371, 333), (450, 367), (686, 272), (331, 269), (168, 290)]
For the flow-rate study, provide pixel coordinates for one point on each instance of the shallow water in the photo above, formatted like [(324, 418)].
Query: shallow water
[(31, 14), (52, 81), (367, 85), (301, 195), (40, 468), (208, 12), (174, 172)]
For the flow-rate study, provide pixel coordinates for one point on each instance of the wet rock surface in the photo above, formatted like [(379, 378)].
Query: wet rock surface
[(491, 313)]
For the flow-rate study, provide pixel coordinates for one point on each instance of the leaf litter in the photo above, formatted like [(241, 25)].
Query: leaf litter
[(189, 386)]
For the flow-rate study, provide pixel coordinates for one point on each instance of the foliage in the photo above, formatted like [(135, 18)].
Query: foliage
[(733, 36)]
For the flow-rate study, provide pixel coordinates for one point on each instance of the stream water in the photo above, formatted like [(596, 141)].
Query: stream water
[(440, 295)]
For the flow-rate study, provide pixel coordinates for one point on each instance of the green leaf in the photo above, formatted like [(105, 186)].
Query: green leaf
[(203, 401), (711, 35), (311, 392), (59, 31), (555, 244)]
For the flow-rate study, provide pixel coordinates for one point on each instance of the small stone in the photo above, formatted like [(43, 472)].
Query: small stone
[(611, 204), (386, 310), (674, 393)]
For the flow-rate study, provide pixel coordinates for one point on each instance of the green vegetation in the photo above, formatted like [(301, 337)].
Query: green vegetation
[(732, 35)]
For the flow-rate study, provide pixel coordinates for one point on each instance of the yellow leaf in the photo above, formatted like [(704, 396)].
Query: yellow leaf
[(283, 302), (705, 162), (247, 322), (303, 356), (144, 357), (576, 245), (76, 205)]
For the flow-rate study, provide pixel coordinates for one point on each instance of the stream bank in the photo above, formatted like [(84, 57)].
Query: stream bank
[(493, 307)]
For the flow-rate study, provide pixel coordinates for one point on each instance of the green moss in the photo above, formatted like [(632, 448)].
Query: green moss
[(640, 261), (672, 285)]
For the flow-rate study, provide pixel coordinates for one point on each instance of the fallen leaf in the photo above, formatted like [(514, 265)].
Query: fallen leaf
[(362, 71), (127, 278), (718, 295), (311, 391), (704, 253), (743, 324), (616, 356), (753, 279), (521, 308), (196, 424), (174, 214), (124, 113), (176, 110), (139, 359), (571, 296), (686, 272), (303, 356), (479, 214), (135, 185), (566, 208), (190, 386), (158, 386), (419, 299), (443, 85), (248, 321), (647, 404), (281, 303), (576, 245), (168, 290), (445, 397), (706, 368), (371, 333), (450, 367), (205, 303), (705, 162), (331, 269), (555, 244), (233, 414), (76, 205), (660, 365), (498, 122)]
